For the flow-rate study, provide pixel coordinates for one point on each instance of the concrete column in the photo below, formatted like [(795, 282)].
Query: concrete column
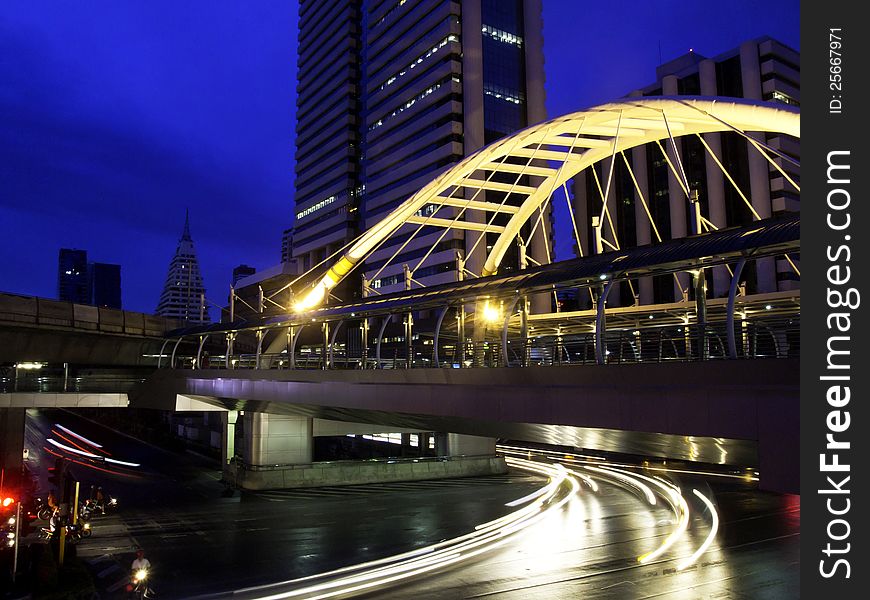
[(759, 168), (472, 104), (12, 445), (643, 226), (469, 445), (715, 179), (228, 435), (676, 195), (277, 439)]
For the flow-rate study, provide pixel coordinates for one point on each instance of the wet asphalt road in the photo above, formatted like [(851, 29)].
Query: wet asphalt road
[(201, 542)]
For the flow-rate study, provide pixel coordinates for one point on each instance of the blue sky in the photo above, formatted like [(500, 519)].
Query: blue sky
[(116, 116)]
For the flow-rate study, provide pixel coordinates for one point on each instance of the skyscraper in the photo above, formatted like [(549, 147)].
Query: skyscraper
[(241, 272), (760, 69), (105, 285), (391, 93), (183, 292), (72, 276)]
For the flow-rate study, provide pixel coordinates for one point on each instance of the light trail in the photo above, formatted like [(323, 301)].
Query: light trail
[(81, 437), (358, 578), (563, 486), (714, 527), (90, 454)]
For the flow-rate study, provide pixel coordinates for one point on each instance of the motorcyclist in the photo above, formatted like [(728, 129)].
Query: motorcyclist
[(140, 562), (139, 570)]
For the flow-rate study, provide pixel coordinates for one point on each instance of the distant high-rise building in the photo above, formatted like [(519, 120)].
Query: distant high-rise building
[(105, 284), (761, 69), (183, 292), (287, 245), (86, 282), (72, 276), (390, 94), (241, 272)]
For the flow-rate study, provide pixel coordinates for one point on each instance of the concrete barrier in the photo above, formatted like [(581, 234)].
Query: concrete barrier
[(361, 472)]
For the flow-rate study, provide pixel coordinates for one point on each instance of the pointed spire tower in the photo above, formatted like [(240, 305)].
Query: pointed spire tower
[(183, 291)]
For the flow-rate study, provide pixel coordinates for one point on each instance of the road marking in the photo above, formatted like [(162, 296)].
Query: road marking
[(98, 559)]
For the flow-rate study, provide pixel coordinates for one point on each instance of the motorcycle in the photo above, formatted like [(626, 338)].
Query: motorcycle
[(74, 533), (139, 586), (41, 509), (91, 508), (77, 531)]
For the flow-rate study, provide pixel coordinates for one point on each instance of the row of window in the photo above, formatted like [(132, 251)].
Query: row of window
[(504, 94), (315, 207), (501, 35), (427, 92), (419, 60)]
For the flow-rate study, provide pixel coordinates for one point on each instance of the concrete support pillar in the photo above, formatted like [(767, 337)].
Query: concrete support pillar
[(759, 168), (469, 445), (277, 439), (715, 179), (676, 194), (228, 435), (643, 226), (11, 445)]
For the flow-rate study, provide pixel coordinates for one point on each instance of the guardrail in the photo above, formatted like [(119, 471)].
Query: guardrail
[(755, 338)]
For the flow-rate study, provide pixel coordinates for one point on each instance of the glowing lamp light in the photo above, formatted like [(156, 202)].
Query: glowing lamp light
[(312, 299), (8, 501), (491, 314), (29, 366)]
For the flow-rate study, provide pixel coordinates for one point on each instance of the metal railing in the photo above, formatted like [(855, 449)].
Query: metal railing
[(754, 338)]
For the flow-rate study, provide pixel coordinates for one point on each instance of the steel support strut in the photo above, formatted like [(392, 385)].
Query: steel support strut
[(601, 325), (732, 296)]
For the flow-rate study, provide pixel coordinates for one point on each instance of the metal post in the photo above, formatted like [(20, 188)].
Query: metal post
[(380, 339), (293, 347), (409, 323), (524, 330), (174, 349), (202, 308), (324, 329), (460, 328), (701, 311), (162, 348), (198, 364), (364, 328), (17, 540), (438, 321), (260, 337), (75, 518), (232, 303), (260, 299), (65, 376), (460, 311), (601, 325), (524, 306), (62, 546), (695, 215), (732, 296), (332, 344), (231, 337), (504, 332), (364, 334), (292, 356), (597, 239)]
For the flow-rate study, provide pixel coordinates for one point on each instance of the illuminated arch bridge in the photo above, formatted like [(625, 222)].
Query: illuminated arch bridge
[(530, 169)]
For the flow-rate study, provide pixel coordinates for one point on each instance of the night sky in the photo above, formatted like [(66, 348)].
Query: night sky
[(115, 116)]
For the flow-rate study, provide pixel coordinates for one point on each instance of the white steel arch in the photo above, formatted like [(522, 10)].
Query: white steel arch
[(553, 152)]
